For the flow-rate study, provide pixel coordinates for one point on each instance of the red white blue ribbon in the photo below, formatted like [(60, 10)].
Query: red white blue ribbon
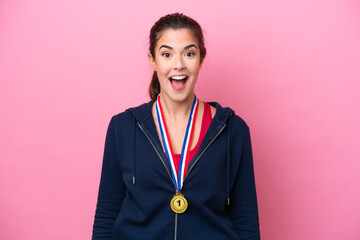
[(178, 177)]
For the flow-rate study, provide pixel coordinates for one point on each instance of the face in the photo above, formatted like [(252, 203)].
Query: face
[(177, 63)]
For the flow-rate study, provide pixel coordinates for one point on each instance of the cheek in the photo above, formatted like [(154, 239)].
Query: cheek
[(162, 69), (194, 65), (194, 68)]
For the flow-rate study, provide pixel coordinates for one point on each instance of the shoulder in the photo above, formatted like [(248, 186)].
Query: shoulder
[(122, 118), (128, 117), (239, 130), (239, 123), (228, 115)]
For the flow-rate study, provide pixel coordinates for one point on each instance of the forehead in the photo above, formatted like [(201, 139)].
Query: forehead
[(176, 38)]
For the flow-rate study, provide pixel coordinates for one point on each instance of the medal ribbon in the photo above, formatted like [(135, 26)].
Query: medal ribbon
[(177, 177)]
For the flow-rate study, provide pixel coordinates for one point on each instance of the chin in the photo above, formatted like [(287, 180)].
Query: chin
[(182, 97)]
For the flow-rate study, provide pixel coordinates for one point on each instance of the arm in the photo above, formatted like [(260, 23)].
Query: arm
[(243, 209), (111, 190)]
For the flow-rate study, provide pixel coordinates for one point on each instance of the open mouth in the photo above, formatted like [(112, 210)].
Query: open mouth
[(178, 82)]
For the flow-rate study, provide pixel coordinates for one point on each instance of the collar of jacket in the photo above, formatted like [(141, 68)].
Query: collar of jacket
[(143, 112)]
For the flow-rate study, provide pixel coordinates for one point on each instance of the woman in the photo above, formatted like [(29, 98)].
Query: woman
[(177, 167)]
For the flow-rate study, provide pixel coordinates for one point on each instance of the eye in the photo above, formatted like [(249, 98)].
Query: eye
[(165, 54), (190, 54)]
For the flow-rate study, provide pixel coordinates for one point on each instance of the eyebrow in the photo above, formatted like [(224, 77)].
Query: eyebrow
[(187, 47)]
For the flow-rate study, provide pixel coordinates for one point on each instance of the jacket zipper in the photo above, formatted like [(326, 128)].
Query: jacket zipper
[(207, 146), (175, 232)]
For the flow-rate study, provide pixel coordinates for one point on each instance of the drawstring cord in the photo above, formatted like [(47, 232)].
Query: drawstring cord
[(134, 162), (228, 165)]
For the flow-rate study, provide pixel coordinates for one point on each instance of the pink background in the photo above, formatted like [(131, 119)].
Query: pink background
[(290, 68)]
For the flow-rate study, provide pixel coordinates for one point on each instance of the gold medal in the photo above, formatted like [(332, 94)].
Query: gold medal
[(178, 203)]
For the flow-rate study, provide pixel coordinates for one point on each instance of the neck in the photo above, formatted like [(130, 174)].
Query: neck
[(176, 111)]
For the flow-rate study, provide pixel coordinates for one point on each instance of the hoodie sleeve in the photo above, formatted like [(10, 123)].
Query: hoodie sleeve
[(243, 209), (111, 190)]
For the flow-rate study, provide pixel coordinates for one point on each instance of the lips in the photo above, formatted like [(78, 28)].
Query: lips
[(178, 82)]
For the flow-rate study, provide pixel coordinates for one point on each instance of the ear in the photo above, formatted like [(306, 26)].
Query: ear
[(152, 61), (201, 62)]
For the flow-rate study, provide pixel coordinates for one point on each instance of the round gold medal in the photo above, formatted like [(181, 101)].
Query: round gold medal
[(178, 203)]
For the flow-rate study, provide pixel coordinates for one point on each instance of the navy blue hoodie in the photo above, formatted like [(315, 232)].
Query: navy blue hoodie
[(136, 185)]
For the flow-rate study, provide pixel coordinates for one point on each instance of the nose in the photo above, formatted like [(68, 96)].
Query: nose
[(179, 63)]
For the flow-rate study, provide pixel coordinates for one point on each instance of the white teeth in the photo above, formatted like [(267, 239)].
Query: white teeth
[(178, 77)]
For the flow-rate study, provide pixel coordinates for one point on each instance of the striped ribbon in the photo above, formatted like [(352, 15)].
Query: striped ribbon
[(177, 177)]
